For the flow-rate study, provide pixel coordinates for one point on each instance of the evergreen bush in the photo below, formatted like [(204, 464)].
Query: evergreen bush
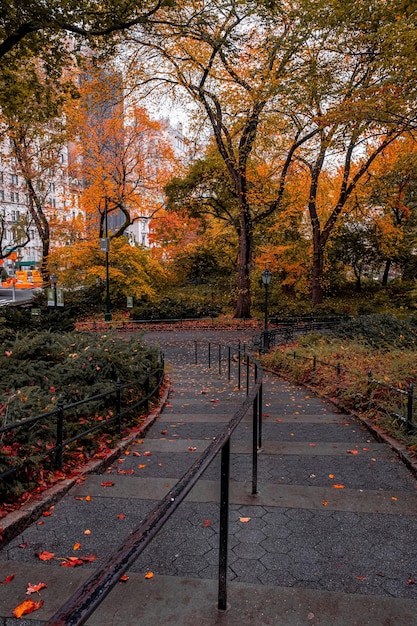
[(170, 308)]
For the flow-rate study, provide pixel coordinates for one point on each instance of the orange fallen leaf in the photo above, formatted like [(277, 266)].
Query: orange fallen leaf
[(331, 475), (312, 445), (149, 575), (76, 546), (136, 454), (26, 607), (88, 498), (124, 578), (361, 578), (338, 486), (142, 465), (352, 451), (35, 588), (394, 498), (45, 555), (72, 561), (87, 532), (47, 513), (244, 519), (325, 503)]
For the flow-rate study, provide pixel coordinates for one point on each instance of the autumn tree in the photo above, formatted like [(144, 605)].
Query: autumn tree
[(123, 157), (304, 85)]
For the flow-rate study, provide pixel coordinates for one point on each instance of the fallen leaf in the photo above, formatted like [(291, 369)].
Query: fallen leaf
[(192, 449), (72, 561), (124, 472), (147, 453), (45, 555), (109, 483), (338, 486), (26, 607), (206, 523), (331, 475), (47, 513), (136, 454), (88, 498), (142, 465), (352, 451), (244, 519), (149, 575), (312, 445), (76, 546), (8, 579), (121, 516), (164, 432), (361, 578), (88, 559), (123, 578), (411, 581), (394, 498), (35, 588), (23, 545), (87, 532), (325, 503)]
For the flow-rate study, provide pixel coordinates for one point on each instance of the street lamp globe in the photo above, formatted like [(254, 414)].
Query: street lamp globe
[(266, 277)]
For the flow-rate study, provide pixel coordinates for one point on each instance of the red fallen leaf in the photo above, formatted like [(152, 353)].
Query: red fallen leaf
[(352, 451), (72, 561), (45, 555), (191, 449), (265, 414), (206, 523), (47, 513), (123, 578), (136, 453), (312, 445), (164, 432), (361, 578), (26, 607), (213, 400), (121, 516), (88, 559), (147, 453), (7, 580), (325, 503), (411, 581), (131, 471), (35, 588), (109, 483)]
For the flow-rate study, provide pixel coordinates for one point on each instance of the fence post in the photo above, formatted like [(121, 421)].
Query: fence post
[(410, 398), (368, 384), (228, 362), (314, 362), (209, 355), (147, 388), (220, 358), (295, 355), (224, 525), (338, 371), (118, 405), (59, 432)]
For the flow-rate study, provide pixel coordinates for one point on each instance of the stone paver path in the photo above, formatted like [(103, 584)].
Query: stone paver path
[(329, 539)]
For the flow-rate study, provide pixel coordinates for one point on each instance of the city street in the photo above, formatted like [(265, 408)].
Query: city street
[(21, 295)]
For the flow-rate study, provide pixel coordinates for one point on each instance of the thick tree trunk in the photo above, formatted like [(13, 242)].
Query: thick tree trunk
[(386, 272), (243, 304), (317, 270)]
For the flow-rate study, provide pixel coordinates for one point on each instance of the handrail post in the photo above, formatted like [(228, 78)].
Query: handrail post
[(260, 402), (314, 362), (220, 358), (247, 374), (209, 355), (118, 405), (255, 435), (229, 363), (410, 395), (59, 433), (224, 525), (238, 367)]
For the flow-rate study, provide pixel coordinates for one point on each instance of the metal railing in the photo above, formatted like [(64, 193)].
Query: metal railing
[(148, 385), (87, 598), (376, 393), (285, 329)]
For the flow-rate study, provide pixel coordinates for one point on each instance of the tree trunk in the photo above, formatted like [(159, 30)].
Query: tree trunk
[(317, 269), (243, 304), (386, 272)]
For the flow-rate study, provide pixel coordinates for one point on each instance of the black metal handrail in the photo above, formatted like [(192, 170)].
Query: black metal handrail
[(87, 598), (59, 414), (287, 329)]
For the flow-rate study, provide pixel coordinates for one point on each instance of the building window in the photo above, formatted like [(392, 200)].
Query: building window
[(14, 179), (14, 196), (1, 195)]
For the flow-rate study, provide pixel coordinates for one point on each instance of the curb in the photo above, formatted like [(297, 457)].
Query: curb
[(15, 522)]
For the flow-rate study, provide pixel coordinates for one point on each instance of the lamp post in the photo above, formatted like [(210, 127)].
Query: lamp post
[(266, 279), (54, 280)]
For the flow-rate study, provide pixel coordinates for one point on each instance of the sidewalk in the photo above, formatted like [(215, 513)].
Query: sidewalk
[(328, 540)]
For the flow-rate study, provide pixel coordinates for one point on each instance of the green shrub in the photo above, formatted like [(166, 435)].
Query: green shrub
[(379, 331), (174, 308)]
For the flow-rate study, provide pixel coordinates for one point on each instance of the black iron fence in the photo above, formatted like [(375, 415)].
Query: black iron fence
[(87, 598), (396, 402), (285, 329), (120, 401)]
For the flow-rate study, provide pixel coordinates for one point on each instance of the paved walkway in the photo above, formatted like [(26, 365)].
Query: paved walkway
[(330, 539)]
